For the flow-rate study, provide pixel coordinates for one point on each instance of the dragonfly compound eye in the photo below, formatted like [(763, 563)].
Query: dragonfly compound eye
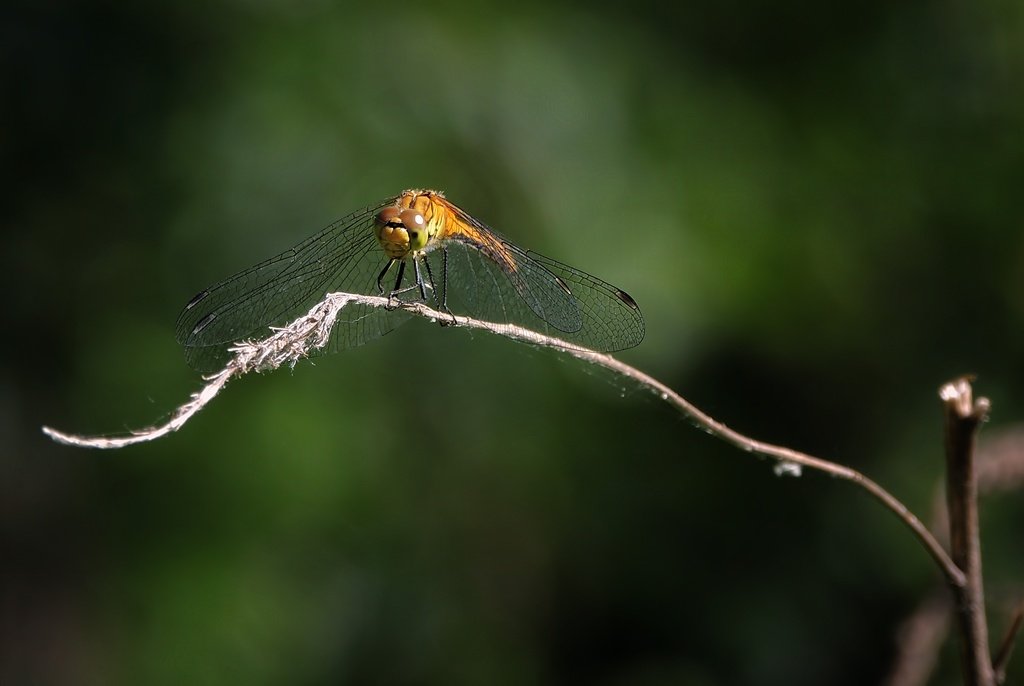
[(390, 232), (416, 225), (387, 216)]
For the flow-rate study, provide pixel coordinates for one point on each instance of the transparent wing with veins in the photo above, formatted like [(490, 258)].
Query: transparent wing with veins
[(495, 280), (344, 256)]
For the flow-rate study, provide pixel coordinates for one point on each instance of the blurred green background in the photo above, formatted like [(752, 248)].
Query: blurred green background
[(817, 206)]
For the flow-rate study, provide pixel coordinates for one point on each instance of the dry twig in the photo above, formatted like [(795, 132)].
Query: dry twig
[(290, 344), (999, 466), (1002, 657), (964, 416), (919, 639)]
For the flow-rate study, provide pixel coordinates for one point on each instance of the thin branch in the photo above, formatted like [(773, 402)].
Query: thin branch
[(999, 465), (150, 433), (1002, 658), (919, 641), (286, 345), (963, 417), (297, 340)]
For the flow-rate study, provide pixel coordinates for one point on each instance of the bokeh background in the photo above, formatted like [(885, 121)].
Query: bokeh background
[(817, 206)]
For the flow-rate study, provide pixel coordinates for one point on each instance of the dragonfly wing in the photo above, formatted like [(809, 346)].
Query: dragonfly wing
[(611, 319), (342, 257), (477, 286), (547, 294), (539, 294)]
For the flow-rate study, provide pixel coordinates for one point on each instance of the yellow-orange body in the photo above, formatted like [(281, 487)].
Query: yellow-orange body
[(420, 220)]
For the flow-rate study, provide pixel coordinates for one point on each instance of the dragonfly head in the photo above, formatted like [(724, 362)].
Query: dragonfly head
[(401, 232)]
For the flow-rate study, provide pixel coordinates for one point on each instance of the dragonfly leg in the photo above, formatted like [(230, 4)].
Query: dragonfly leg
[(383, 273), (430, 277), (444, 278), (444, 289), (393, 300), (419, 278)]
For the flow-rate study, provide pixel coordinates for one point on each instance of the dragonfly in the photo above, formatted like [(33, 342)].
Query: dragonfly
[(459, 265)]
